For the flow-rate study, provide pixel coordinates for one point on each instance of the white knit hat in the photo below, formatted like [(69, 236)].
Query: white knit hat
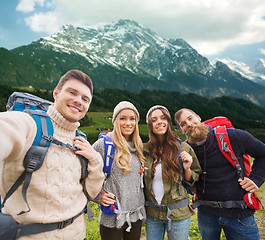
[(154, 108), (124, 105)]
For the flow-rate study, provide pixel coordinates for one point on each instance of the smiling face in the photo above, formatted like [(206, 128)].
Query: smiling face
[(188, 121), (159, 123), (127, 119), (190, 124), (73, 100)]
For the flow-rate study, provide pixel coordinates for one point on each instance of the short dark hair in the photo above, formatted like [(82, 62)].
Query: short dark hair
[(78, 75), (179, 112)]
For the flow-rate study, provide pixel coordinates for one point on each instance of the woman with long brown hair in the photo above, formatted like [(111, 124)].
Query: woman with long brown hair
[(171, 164)]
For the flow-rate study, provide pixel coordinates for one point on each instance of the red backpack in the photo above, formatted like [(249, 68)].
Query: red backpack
[(220, 124)]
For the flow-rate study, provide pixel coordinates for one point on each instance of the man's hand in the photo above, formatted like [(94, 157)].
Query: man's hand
[(248, 185), (86, 150)]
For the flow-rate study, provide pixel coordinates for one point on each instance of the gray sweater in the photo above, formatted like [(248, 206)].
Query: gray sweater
[(128, 190)]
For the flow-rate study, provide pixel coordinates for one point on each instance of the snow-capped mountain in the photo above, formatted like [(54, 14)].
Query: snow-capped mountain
[(127, 44), (126, 55), (255, 73), (259, 67)]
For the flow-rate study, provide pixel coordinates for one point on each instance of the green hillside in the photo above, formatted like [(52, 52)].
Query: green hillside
[(242, 113)]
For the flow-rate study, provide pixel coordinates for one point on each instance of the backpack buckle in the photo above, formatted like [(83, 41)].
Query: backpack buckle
[(110, 156), (31, 166), (164, 207), (160, 207), (27, 103), (216, 204), (47, 138), (65, 223), (68, 145)]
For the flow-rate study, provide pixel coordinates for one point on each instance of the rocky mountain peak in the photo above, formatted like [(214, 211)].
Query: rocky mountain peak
[(127, 44), (129, 56)]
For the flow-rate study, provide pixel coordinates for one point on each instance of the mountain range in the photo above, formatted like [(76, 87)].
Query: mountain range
[(254, 73), (126, 55)]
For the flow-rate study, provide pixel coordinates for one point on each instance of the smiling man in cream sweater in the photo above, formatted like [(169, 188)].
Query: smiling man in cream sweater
[(55, 193)]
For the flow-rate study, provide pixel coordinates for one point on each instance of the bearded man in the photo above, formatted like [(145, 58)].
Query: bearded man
[(219, 189)]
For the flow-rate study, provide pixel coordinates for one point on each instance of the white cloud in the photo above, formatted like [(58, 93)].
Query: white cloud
[(262, 50), (209, 26), (43, 22), (28, 5)]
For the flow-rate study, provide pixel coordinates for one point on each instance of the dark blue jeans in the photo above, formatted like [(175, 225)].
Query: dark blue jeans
[(234, 228)]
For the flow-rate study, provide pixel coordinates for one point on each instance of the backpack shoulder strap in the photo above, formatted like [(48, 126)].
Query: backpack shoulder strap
[(44, 127), (34, 157), (179, 146), (83, 160), (226, 148), (109, 153), (182, 172)]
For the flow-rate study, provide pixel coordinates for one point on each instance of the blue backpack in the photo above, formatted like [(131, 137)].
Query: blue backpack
[(37, 107), (109, 152), (108, 159)]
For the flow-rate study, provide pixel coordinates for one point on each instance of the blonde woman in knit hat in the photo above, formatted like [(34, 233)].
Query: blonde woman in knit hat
[(124, 186), (167, 201)]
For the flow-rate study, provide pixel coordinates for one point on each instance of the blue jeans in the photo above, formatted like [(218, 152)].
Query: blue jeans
[(235, 229), (155, 229)]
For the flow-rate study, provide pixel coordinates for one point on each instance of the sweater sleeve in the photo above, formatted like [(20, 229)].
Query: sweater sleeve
[(99, 147), (17, 132), (254, 148), (95, 178)]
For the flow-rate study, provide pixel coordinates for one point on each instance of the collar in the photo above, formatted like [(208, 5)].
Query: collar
[(58, 118)]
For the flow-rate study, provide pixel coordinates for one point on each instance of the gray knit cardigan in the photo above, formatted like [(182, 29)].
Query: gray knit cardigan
[(128, 190)]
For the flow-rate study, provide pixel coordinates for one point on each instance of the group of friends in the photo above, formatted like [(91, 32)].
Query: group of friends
[(148, 182)]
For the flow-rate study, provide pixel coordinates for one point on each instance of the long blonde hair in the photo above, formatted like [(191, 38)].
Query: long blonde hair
[(123, 156)]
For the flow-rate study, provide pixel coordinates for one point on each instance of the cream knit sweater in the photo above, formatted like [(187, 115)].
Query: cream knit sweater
[(55, 193)]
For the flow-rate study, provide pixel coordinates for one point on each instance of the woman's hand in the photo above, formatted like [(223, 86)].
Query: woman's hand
[(186, 159), (106, 199)]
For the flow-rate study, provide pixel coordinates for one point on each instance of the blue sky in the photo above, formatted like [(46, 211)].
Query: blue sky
[(215, 28)]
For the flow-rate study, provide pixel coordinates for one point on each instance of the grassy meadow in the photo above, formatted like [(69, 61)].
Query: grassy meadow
[(102, 122)]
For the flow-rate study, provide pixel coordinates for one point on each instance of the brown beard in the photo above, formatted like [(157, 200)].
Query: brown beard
[(200, 135)]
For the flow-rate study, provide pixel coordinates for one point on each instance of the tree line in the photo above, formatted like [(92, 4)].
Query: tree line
[(242, 113)]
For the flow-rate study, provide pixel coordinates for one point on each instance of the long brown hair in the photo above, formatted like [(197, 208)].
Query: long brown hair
[(166, 151)]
